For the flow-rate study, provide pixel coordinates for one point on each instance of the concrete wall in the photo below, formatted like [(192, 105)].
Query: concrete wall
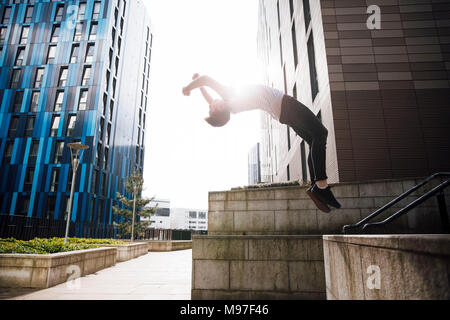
[(129, 251), (257, 267), (289, 210), (44, 271), (170, 245), (393, 267)]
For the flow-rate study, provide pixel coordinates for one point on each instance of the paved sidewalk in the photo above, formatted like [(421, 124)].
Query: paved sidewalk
[(155, 276)]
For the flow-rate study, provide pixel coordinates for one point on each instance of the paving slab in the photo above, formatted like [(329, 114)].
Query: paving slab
[(154, 276)]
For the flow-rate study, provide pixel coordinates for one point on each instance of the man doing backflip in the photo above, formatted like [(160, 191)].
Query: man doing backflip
[(283, 108)]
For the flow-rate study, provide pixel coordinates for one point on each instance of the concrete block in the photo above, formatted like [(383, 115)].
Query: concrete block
[(254, 221), (296, 221), (380, 189), (357, 203), (264, 205), (345, 191), (263, 194), (333, 221), (235, 205), (217, 196), (220, 248), (307, 276), (220, 221), (291, 193), (236, 196), (259, 275), (216, 206), (211, 274)]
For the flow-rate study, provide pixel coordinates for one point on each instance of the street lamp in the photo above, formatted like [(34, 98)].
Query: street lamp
[(76, 150)]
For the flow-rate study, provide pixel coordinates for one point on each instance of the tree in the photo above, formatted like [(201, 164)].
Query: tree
[(132, 209)]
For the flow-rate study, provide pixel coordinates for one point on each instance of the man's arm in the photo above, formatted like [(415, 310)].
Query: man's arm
[(206, 81), (204, 92)]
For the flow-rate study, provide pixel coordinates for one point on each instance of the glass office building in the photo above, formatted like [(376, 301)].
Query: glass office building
[(71, 71)]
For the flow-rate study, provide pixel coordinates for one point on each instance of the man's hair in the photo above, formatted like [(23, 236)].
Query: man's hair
[(219, 119)]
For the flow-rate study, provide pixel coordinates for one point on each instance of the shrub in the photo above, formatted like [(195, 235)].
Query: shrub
[(53, 245)]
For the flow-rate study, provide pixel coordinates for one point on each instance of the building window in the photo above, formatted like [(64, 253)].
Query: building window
[(96, 10), (81, 10), (34, 101), (7, 154), (55, 33), (105, 158), (13, 126), (101, 126), (307, 13), (303, 161), (105, 102), (90, 53), (82, 103), (24, 35), (74, 54), (107, 80), (59, 150), (55, 126), (93, 32), (20, 56), (28, 184), (18, 102), (71, 122), (51, 54), (29, 14), (312, 67), (111, 111), (51, 204), (108, 134), (3, 34), (294, 45), (59, 13), (24, 205), (15, 78), (6, 15), (29, 127), (99, 152), (62, 82), (38, 81), (113, 36), (59, 100), (78, 32), (34, 150), (54, 180), (86, 75)]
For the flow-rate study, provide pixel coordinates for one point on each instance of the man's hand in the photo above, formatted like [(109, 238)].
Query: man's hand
[(186, 91), (195, 76)]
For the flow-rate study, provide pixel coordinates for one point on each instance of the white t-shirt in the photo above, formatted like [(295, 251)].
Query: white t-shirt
[(256, 97)]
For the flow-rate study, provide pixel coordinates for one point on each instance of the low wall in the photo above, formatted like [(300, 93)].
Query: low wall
[(169, 245), (129, 251), (393, 267), (257, 267), (44, 271), (289, 210)]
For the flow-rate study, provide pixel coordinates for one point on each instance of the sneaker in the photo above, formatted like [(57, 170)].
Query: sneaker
[(325, 196), (319, 204)]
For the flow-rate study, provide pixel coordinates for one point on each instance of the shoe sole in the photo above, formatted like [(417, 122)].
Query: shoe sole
[(322, 207)]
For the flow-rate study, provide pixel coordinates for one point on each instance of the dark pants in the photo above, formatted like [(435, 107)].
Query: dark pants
[(304, 122)]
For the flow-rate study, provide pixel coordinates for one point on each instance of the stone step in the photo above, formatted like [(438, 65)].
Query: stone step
[(288, 210), (258, 267)]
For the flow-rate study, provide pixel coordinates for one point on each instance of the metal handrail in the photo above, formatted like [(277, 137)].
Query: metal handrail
[(394, 201), (410, 206)]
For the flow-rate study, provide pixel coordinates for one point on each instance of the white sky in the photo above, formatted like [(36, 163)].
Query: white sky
[(185, 157)]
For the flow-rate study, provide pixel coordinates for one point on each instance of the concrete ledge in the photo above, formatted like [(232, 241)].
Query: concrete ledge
[(44, 271), (129, 251), (389, 267), (257, 267), (169, 245)]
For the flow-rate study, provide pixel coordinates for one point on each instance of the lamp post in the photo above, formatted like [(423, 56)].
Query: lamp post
[(136, 181), (75, 150)]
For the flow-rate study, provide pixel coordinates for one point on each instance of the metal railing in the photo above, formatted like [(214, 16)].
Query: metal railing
[(27, 228), (437, 191)]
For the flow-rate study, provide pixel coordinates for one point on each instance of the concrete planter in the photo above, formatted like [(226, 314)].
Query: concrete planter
[(129, 251), (391, 267), (169, 245), (44, 271)]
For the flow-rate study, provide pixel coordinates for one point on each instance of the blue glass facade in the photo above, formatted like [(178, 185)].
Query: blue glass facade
[(71, 71)]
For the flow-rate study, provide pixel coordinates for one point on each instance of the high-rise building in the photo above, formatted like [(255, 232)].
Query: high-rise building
[(72, 71), (254, 165), (189, 219), (375, 72)]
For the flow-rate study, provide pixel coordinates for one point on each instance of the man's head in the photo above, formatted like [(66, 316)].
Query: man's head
[(219, 114)]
